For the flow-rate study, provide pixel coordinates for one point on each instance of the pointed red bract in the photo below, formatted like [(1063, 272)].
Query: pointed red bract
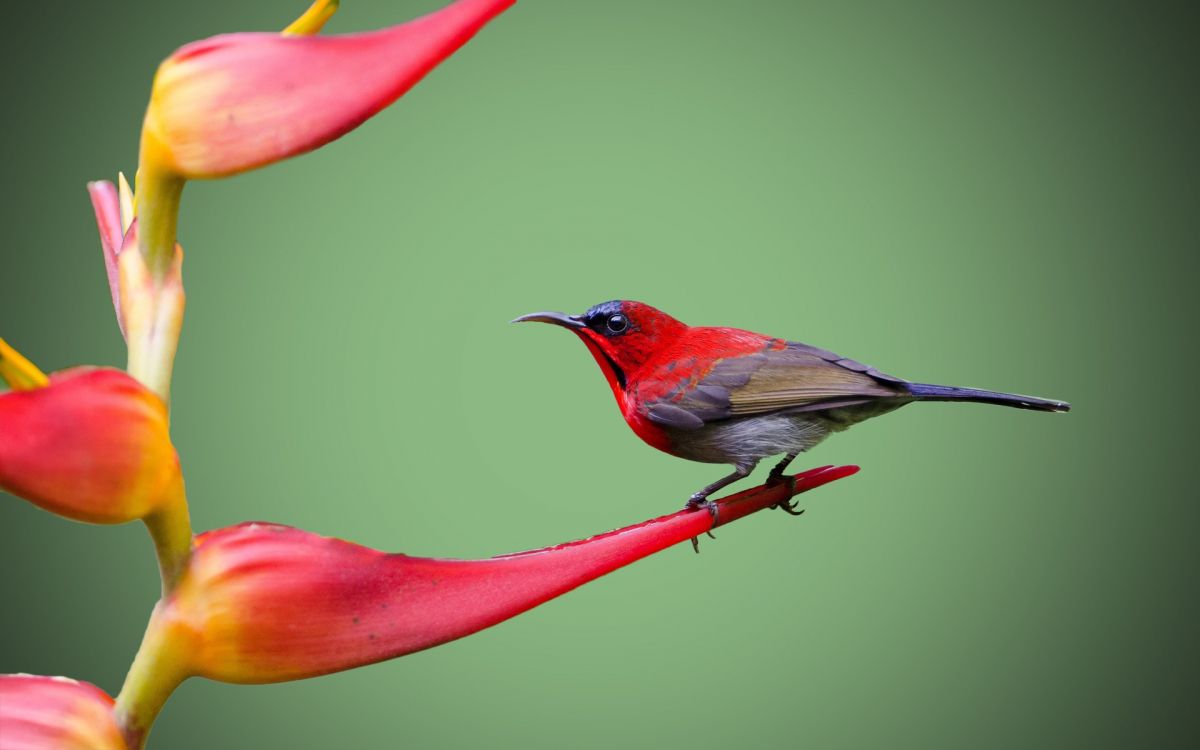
[(92, 445), (238, 101), (263, 603), (107, 206), (55, 713)]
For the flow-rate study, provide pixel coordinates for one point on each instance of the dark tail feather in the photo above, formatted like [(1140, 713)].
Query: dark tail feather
[(925, 392)]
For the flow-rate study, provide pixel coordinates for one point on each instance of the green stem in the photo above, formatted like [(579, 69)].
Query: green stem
[(159, 667), (158, 194), (171, 529), (153, 333), (162, 661), (152, 296)]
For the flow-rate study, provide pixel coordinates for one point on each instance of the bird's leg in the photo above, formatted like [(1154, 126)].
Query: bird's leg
[(777, 471), (776, 475), (700, 499)]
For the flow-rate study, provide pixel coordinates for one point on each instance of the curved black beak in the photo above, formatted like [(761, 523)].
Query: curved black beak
[(557, 318)]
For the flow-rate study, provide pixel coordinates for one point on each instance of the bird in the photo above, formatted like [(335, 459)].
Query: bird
[(730, 396)]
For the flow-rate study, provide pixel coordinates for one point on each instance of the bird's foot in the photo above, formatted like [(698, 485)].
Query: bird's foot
[(699, 500), (695, 502)]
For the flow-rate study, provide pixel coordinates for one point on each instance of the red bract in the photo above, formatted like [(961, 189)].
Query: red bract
[(55, 713), (92, 445), (107, 207), (263, 603), (238, 101)]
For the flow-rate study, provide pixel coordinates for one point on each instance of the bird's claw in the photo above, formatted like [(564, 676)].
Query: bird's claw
[(789, 507), (696, 541), (695, 502)]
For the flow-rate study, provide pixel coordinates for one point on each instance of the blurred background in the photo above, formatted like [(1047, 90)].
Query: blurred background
[(998, 196)]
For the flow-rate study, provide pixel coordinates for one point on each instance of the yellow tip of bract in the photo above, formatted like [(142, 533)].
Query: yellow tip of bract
[(127, 203), (314, 18), (18, 372)]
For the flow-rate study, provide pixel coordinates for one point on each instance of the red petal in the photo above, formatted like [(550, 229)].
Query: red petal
[(239, 101), (92, 445), (267, 603), (52, 713)]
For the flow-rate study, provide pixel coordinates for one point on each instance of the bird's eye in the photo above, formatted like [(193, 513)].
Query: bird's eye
[(617, 323)]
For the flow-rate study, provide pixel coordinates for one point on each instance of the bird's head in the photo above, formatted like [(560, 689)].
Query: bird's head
[(621, 334)]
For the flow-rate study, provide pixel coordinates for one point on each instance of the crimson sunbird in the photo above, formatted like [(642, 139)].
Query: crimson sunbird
[(728, 396)]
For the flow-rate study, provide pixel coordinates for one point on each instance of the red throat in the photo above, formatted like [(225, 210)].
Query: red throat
[(612, 373), (649, 432)]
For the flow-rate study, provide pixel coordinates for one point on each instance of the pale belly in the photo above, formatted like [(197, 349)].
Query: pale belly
[(746, 440)]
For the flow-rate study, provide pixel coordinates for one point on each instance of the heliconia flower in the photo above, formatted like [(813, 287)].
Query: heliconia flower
[(238, 101), (264, 603), (91, 444), (55, 713)]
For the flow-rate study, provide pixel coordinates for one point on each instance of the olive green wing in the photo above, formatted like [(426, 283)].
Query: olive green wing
[(793, 378)]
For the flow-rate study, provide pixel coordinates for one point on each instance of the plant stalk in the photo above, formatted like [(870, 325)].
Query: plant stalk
[(160, 666), (171, 529)]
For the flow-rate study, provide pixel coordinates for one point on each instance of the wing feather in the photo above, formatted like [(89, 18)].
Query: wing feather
[(796, 377)]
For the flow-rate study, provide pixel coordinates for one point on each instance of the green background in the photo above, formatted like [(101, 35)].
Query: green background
[(1001, 196)]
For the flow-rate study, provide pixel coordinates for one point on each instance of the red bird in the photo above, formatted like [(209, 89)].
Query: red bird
[(728, 396)]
